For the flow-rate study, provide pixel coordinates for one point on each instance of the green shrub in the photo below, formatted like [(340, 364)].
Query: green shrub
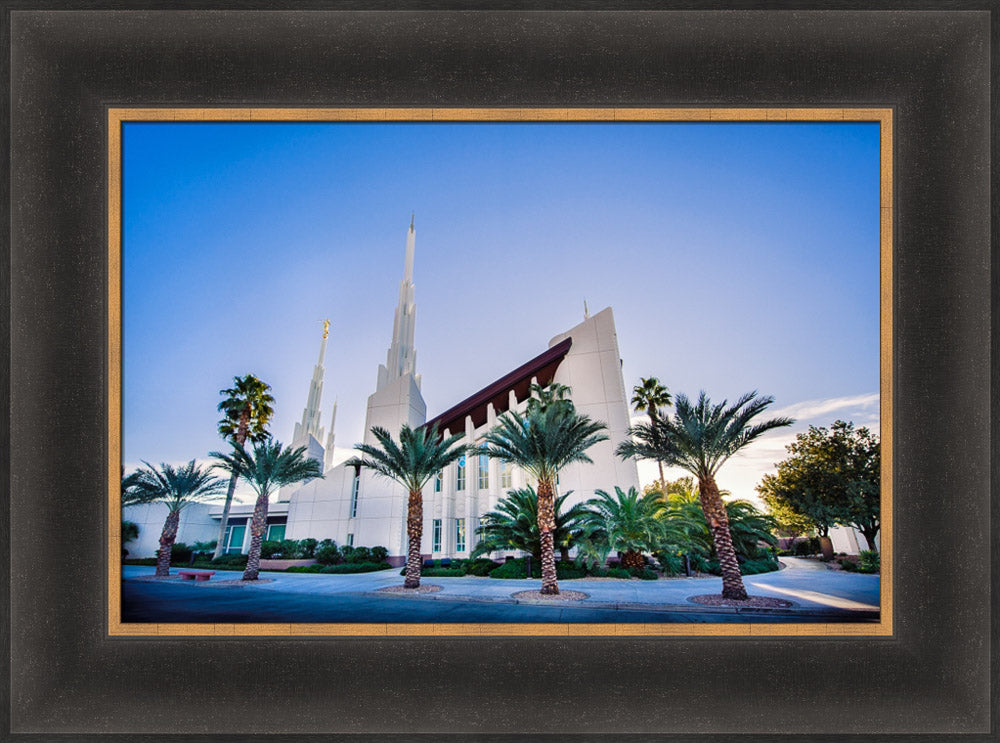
[(671, 563), (359, 555), (180, 553), (598, 572), (618, 573), (356, 567), (517, 569), (801, 549), (569, 570), (869, 562), (269, 548), (759, 565), (848, 565), (290, 549), (328, 554), (480, 567), (379, 553), (305, 569), (443, 572), (647, 573), (307, 547), (130, 531), (234, 560)]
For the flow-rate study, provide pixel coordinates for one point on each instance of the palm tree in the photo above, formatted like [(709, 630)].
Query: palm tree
[(129, 494), (269, 467), (514, 525), (649, 396), (749, 526), (177, 488), (420, 454), (246, 411), (627, 522), (699, 438), (550, 435)]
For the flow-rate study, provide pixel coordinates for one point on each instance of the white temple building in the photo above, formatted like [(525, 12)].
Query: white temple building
[(356, 507), (359, 508)]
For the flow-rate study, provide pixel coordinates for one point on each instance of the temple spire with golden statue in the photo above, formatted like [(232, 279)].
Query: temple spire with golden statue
[(309, 432)]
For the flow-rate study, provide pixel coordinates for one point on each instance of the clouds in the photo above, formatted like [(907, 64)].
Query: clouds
[(741, 474), (809, 410)]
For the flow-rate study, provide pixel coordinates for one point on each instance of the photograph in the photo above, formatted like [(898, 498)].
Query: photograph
[(649, 389)]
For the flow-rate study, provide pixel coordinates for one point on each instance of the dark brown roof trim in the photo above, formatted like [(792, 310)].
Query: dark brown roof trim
[(543, 367)]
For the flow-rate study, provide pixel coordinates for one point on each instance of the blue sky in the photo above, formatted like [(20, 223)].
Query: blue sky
[(736, 256)]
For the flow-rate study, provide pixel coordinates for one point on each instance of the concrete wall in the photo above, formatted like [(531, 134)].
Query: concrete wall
[(195, 526)]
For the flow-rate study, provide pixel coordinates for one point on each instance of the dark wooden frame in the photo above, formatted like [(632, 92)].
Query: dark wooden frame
[(930, 679)]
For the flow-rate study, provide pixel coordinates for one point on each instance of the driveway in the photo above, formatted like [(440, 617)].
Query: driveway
[(819, 596)]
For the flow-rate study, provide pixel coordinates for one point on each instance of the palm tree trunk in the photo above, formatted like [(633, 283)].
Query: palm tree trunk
[(167, 538), (546, 527), (414, 532), (651, 411), (219, 546), (718, 523), (257, 528), (633, 559), (241, 439)]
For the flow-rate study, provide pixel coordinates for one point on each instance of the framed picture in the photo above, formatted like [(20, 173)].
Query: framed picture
[(467, 507), (919, 669)]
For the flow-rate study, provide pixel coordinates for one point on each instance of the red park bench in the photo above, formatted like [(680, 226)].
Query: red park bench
[(195, 574)]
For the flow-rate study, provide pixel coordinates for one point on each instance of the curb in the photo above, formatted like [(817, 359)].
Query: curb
[(666, 608)]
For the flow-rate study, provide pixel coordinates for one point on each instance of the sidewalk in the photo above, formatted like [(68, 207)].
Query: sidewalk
[(812, 592)]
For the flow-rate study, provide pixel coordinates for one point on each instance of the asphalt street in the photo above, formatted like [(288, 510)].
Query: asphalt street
[(818, 596)]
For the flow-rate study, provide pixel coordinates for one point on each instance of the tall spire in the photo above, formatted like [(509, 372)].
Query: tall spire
[(401, 359), (328, 451), (310, 424)]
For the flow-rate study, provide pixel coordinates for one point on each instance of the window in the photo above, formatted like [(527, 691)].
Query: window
[(460, 535), (484, 471), (460, 475), (275, 532), (437, 482), (505, 475), (436, 535), (350, 540), (355, 486), (233, 540)]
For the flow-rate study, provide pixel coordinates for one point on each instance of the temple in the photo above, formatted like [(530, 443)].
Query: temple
[(355, 507)]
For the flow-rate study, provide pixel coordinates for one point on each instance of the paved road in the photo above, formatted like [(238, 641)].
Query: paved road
[(301, 597)]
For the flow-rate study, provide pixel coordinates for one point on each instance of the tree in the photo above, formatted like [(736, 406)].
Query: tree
[(514, 525), (550, 435), (130, 531), (420, 454), (832, 476), (177, 488), (130, 496), (627, 522), (790, 523), (199, 549), (246, 411), (699, 438), (270, 466), (748, 526), (649, 396)]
